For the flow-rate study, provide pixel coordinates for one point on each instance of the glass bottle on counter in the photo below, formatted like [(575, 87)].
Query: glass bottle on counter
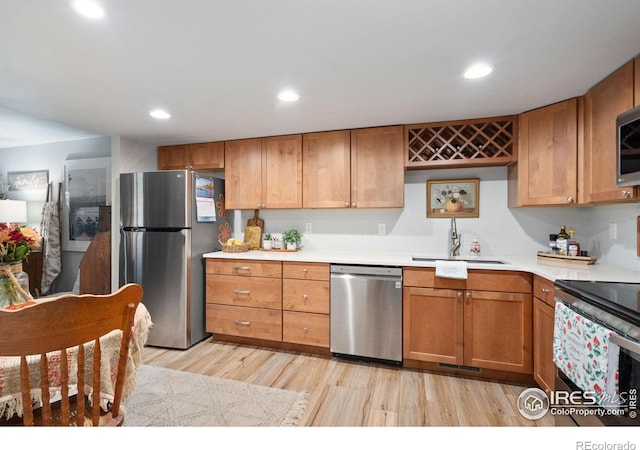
[(573, 247), (562, 243)]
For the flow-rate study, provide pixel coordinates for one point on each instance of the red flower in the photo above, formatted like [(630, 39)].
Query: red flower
[(569, 323), (589, 345), (597, 388), (595, 340)]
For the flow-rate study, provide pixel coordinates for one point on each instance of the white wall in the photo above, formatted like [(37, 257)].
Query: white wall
[(52, 157), (501, 231)]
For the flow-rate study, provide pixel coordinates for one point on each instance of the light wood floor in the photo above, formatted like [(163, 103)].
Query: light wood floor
[(346, 393)]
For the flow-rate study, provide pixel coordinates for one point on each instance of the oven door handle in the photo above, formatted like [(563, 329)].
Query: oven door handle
[(625, 343)]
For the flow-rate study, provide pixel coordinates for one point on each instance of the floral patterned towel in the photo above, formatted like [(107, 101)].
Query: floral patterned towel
[(582, 349)]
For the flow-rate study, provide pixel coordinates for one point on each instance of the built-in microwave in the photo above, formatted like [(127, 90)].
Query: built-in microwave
[(628, 148)]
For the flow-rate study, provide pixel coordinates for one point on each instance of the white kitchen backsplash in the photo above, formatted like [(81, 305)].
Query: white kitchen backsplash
[(499, 229)]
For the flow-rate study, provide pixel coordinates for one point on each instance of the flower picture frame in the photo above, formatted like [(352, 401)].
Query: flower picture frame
[(453, 198)]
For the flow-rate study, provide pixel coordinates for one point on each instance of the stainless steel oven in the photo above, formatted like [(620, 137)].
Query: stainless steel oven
[(616, 307)]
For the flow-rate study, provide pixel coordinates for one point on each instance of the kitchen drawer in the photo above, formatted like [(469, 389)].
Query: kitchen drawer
[(305, 296), (477, 279), (255, 291), (305, 328), (255, 323), (544, 290), (306, 271), (244, 267)]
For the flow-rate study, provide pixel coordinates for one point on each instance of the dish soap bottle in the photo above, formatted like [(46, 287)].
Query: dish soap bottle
[(474, 248), (562, 243)]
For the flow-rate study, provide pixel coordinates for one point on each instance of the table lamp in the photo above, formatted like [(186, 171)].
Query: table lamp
[(13, 211)]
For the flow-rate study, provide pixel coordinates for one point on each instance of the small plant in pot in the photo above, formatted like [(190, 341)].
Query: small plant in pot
[(266, 241), (292, 238)]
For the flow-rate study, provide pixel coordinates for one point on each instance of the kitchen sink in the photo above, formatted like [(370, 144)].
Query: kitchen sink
[(469, 260)]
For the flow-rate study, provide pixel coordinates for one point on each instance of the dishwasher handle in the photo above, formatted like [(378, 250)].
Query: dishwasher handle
[(385, 271)]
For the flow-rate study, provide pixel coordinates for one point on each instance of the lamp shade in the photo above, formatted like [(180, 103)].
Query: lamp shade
[(13, 211)]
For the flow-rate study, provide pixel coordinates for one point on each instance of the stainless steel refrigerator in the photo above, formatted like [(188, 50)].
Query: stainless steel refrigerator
[(168, 220)]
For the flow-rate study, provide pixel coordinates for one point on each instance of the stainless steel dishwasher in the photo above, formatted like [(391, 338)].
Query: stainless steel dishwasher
[(366, 312)]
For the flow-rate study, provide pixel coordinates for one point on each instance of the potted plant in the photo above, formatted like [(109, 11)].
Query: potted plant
[(266, 241), (292, 238)]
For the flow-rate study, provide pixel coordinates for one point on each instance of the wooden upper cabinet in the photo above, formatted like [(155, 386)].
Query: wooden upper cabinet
[(172, 157), (206, 155), (282, 171), (604, 102), (243, 174), (326, 168), (636, 82), (264, 173), (547, 167), (377, 167)]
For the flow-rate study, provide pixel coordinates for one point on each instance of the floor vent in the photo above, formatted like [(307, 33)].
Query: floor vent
[(456, 367)]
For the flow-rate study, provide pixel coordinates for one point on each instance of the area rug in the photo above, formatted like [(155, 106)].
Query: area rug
[(171, 398)]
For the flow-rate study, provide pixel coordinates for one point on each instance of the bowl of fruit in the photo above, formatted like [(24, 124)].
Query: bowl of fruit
[(234, 246)]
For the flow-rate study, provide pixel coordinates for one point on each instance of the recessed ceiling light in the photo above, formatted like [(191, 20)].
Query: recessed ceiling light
[(478, 71), (288, 95), (160, 114), (89, 8)]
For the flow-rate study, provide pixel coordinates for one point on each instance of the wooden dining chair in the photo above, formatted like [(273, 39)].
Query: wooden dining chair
[(60, 327)]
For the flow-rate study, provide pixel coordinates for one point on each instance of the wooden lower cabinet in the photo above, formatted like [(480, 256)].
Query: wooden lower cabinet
[(305, 328), (244, 298), (498, 331), (488, 329), (544, 369), (305, 303), (258, 323), (433, 325)]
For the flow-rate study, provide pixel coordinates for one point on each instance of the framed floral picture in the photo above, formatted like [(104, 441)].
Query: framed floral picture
[(453, 198)]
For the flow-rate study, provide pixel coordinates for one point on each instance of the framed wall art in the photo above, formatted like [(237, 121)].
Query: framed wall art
[(453, 198), (86, 187)]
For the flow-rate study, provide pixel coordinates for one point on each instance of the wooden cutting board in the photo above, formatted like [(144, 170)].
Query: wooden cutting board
[(256, 221)]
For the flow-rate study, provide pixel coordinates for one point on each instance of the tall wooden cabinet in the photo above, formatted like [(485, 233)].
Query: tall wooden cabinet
[(206, 155), (636, 82), (360, 168), (264, 172), (546, 172), (603, 103), (484, 321), (544, 369)]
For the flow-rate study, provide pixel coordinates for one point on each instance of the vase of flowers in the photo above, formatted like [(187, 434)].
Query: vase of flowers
[(16, 243), (453, 198)]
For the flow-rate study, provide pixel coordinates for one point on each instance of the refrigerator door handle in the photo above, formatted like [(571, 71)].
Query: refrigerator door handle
[(123, 238)]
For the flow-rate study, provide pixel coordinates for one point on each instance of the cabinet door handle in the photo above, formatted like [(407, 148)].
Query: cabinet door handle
[(346, 204), (626, 194), (305, 296), (459, 294), (241, 268), (241, 322), (569, 199), (544, 291), (236, 291), (468, 294), (305, 270), (305, 330)]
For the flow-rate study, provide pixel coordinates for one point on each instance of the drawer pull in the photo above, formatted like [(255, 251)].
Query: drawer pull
[(305, 270), (241, 268), (236, 291), (305, 329), (241, 322), (544, 290), (305, 296)]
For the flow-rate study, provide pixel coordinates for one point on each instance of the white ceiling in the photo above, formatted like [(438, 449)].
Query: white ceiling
[(217, 65)]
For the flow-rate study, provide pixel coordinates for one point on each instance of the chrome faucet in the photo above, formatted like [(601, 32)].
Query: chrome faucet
[(454, 239)]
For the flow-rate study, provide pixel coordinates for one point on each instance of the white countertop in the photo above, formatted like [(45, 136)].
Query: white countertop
[(551, 271)]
